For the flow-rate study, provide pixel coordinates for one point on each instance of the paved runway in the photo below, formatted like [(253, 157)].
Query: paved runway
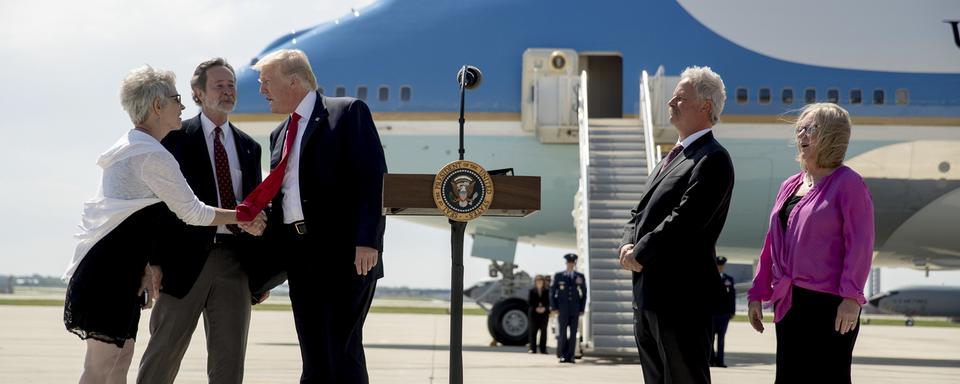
[(34, 348)]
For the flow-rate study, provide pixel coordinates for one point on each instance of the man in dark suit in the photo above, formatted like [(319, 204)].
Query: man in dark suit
[(726, 308), (568, 300), (326, 217), (669, 243), (204, 271)]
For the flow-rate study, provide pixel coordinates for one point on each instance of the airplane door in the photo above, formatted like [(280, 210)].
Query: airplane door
[(549, 90), (605, 83)]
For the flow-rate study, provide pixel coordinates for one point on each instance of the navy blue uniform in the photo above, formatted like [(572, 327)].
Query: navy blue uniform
[(721, 319), (568, 295)]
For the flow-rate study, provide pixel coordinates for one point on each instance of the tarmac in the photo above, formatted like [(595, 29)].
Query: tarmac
[(413, 348)]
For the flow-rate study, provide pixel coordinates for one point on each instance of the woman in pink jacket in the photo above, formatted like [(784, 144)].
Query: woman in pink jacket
[(816, 255)]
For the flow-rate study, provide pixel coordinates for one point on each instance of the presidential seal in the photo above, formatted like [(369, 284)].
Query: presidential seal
[(463, 190)]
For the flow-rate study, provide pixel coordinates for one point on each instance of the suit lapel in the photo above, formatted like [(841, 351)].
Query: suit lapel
[(317, 121), (198, 147), (277, 151)]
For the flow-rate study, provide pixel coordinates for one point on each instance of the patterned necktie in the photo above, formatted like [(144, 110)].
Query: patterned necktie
[(228, 200), (261, 196), (670, 156)]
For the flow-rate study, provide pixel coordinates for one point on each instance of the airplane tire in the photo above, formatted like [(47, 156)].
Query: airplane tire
[(508, 322), (909, 322)]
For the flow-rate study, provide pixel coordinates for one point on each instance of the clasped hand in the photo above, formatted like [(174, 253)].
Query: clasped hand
[(627, 261), (256, 226)]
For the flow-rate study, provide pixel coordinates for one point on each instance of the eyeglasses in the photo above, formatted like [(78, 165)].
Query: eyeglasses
[(809, 130), (177, 98)]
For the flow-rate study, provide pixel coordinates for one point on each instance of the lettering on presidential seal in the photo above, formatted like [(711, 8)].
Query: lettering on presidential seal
[(462, 190)]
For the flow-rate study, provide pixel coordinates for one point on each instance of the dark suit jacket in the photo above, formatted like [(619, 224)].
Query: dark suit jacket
[(183, 261), (539, 299), (675, 227), (341, 179), (728, 295)]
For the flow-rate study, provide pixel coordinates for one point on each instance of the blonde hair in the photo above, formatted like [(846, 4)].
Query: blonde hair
[(833, 132), (141, 87), (709, 86), (290, 62)]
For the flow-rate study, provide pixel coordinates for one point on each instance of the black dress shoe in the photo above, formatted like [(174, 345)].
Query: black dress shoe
[(720, 365), (543, 351), (531, 351)]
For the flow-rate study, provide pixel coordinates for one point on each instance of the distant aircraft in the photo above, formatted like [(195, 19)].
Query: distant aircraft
[(894, 65), (920, 301)]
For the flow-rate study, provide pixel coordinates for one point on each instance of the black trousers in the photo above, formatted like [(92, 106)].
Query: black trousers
[(719, 333), (538, 324), (674, 348), (808, 348), (567, 343), (330, 304)]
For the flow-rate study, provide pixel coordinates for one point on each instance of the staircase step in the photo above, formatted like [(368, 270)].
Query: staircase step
[(620, 154), (624, 162), (613, 329), (606, 223), (610, 137), (616, 146), (595, 170), (611, 274), (620, 341), (619, 204), (609, 283), (621, 295), (612, 317), (614, 122), (611, 306), (601, 179)]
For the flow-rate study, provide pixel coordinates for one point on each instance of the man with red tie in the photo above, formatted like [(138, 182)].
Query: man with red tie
[(205, 270), (670, 241), (326, 191)]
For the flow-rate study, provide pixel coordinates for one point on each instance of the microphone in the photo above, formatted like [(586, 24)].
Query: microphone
[(469, 76)]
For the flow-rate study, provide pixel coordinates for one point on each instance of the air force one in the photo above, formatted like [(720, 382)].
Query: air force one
[(576, 92)]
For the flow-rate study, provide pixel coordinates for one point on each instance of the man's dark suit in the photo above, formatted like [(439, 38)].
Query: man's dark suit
[(341, 170), (189, 147), (675, 227)]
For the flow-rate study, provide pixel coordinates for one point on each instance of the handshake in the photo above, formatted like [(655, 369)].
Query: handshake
[(256, 226)]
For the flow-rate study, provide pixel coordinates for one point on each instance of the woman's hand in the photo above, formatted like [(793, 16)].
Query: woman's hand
[(755, 315), (848, 316)]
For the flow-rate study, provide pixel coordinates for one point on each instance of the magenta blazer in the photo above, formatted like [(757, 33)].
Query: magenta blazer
[(826, 247)]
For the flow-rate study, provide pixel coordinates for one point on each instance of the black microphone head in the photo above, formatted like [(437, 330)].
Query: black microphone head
[(472, 78)]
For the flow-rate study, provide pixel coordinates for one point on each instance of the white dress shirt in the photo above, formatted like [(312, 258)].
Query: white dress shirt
[(292, 206), (690, 139), (229, 144)]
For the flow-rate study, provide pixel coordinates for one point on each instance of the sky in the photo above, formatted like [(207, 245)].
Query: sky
[(62, 62)]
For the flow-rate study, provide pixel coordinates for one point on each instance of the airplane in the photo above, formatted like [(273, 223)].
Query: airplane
[(894, 65), (939, 301)]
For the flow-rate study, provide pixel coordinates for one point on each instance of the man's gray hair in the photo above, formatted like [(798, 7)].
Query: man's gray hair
[(709, 86), (142, 87), (290, 62)]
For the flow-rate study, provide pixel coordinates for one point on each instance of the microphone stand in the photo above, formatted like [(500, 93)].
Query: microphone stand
[(457, 230)]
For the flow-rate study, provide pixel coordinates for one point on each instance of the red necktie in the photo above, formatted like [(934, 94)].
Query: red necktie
[(228, 200), (261, 196), (670, 156)]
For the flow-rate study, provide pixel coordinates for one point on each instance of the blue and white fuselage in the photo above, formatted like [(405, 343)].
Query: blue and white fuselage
[(895, 67)]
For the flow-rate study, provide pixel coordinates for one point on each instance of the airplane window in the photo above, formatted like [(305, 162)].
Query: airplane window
[(764, 96), (903, 96), (833, 95), (741, 95), (856, 96), (362, 92), (878, 97), (787, 96), (320, 89), (340, 91), (810, 95), (383, 93), (405, 93)]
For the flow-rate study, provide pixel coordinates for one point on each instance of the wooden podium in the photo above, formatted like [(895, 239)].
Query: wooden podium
[(413, 195)]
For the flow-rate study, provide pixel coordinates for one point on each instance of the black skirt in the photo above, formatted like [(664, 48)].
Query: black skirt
[(103, 302), (809, 350)]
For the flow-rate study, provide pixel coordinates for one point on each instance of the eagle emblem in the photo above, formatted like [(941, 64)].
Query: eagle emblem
[(462, 190)]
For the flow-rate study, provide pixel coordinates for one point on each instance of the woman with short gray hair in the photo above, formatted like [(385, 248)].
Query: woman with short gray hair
[(126, 223)]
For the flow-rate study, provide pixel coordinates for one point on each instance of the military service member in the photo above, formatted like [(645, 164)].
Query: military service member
[(568, 299), (725, 311)]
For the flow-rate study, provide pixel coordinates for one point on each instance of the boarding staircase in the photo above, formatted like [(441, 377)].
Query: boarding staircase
[(616, 156)]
